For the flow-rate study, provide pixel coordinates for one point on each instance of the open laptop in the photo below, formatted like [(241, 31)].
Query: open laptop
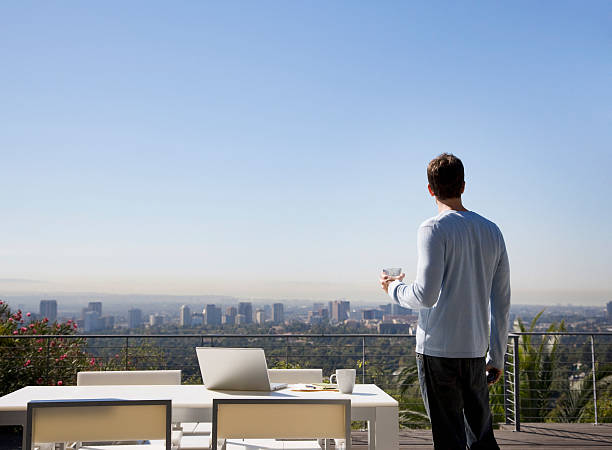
[(235, 369)]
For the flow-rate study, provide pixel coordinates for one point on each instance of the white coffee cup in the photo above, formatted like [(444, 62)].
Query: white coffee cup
[(345, 379)]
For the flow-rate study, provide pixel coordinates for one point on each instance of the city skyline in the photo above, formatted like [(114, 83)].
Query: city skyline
[(280, 151)]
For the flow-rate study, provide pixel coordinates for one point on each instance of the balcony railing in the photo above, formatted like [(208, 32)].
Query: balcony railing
[(561, 377)]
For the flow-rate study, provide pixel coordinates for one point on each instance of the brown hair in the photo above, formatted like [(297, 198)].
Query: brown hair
[(445, 176)]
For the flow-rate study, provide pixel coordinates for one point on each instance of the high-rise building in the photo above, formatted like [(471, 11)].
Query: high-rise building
[(278, 313), (48, 309), (156, 320), (267, 309), (386, 309), (340, 310), (260, 316), (371, 314), (246, 309), (609, 309), (212, 315), (229, 317), (92, 321), (134, 318), (185, 316), (95, 306)]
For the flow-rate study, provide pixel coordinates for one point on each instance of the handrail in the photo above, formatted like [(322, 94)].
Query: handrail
[(211, 335), (284, 335)]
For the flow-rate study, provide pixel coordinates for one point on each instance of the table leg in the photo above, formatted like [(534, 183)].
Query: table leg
[(386, 430), (371, 434)]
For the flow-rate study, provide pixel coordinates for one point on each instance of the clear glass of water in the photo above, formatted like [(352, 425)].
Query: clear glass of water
[(393, 271)]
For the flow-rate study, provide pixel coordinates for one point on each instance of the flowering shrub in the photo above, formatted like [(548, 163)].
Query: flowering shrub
[(27, 360)]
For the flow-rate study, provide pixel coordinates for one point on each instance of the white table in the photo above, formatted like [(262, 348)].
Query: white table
[(193, 403)]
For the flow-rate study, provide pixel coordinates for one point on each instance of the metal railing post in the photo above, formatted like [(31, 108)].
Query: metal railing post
[(127, 344), (594, 377), (507, 409), (363, 360), (47, 359), (287, 352), (517, 386)]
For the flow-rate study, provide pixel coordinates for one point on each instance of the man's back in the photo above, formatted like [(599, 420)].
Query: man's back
[(468, 252)]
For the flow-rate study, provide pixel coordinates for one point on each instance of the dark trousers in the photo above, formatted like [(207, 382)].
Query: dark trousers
[(456, 397)]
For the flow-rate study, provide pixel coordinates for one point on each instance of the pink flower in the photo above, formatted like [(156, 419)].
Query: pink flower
[(28, 314), (1, 302), (31, 325), (117, 355), (39, 381), (52, 344), (63, 357), (15, 332), (45, 320), (10, 319), (69, 321), (27, 363), (60, 383), (40, 349), (92, 361), (39, 341), (75, 326), (24, 329)]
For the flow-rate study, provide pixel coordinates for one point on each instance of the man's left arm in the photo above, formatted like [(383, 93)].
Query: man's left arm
[(500, 310)]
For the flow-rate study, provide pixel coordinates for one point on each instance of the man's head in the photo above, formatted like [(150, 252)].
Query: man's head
[(445, 176)]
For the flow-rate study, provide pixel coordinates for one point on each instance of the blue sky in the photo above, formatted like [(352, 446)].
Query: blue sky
[(279, 148)]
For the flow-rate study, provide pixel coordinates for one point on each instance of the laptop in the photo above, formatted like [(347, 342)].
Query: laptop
[(235, 369)]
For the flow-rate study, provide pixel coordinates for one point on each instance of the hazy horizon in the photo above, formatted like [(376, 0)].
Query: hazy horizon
[(543, 298), (279, 150)]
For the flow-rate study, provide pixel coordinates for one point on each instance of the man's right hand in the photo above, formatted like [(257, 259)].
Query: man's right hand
[(385, 280)]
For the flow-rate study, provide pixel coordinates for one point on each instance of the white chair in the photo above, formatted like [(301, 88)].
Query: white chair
[(105, 378), (249, 423), (144, 377), (99, 420), (294, 376)]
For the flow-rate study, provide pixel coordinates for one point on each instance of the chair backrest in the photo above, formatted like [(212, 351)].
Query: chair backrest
[(98, 420), (114, 377), (249, 418), (293, 376)]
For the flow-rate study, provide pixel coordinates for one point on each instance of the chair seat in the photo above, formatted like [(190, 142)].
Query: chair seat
[(270, 444), (194, 443)]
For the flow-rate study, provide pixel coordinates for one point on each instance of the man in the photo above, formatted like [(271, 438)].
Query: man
[(462, 274)]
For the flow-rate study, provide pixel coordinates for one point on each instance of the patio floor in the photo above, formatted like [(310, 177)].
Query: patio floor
[(544, 436)]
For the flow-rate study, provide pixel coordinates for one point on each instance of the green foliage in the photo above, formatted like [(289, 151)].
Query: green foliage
[(540, 375), (282, 364), (412, 412), (576, 403)]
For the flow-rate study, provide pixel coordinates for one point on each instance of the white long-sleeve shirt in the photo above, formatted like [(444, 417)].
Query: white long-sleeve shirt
[(462, 283)]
